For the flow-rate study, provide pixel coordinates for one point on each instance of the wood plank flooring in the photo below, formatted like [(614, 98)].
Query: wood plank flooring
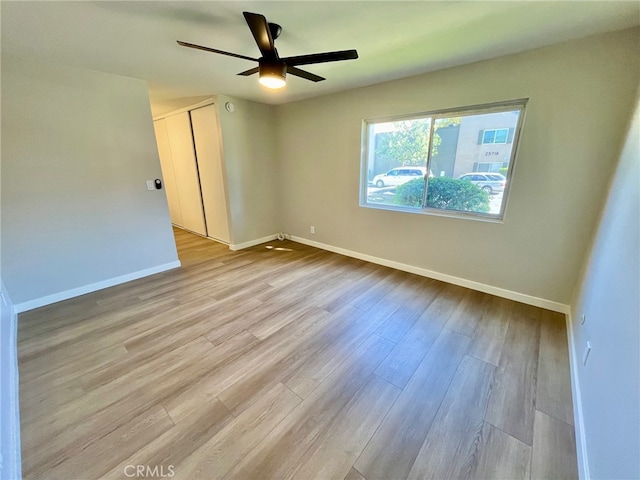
[(284, 361)]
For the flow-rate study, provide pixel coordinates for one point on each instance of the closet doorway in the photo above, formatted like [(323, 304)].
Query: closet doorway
[(192, 164)]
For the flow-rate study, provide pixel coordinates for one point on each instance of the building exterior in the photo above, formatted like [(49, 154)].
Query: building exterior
[(484, 143), (471, 143)]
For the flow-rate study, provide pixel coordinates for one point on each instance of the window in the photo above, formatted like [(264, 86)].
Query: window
[(455, 162), (495, 136), (489, 166)]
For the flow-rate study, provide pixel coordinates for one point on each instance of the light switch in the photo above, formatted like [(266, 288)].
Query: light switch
[(151, 185)]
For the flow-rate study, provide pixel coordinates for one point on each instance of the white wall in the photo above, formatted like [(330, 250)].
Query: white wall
[(249, 146), (77, 147), (10, 464), (608, 408), (580, 97)]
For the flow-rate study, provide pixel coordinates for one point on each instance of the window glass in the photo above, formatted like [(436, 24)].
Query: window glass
[(489, 136), (501, 135), (390, 145), (495, 136), (450, 146)]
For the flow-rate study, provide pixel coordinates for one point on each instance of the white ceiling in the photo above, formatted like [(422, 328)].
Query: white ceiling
[(394, 39)]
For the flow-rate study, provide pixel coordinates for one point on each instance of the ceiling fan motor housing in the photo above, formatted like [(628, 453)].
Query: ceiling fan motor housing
[(272, 67), (275, 30)]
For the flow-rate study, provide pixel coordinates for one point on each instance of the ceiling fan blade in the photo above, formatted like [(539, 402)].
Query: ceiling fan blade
[(302, 74), (213, 50), (321, 57), (251, 71), (261, 33)]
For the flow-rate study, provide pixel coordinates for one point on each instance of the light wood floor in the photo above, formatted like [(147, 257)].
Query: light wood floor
[(285, 361)]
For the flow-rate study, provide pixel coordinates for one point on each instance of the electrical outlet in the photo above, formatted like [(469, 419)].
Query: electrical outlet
[(312, 229), (587, 351), (151, 185)]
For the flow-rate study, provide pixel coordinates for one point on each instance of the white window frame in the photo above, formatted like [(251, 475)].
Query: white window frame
[(506, 106)]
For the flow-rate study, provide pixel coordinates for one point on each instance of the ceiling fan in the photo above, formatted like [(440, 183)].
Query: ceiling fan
[(272, 69)]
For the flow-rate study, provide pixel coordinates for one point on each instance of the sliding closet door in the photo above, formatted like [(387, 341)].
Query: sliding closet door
[(186, 172), (204, 122), (166, 163)]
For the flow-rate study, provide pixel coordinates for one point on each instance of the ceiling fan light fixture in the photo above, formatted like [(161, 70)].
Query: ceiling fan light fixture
[(272, 68), (273, 75)]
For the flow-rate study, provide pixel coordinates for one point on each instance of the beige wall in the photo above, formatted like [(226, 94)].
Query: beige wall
[(248, 143), (77, 148), (581, 94)]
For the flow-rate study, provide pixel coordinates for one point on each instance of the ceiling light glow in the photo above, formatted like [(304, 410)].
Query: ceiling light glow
[(271, 81), (273, 75)]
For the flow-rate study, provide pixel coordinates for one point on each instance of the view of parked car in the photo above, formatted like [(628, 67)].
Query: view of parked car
[(398, 176), (489, 182)]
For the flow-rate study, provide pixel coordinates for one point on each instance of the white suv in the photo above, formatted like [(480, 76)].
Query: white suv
[(398, 176)]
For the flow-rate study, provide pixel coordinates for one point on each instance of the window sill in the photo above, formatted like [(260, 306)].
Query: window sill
[(436, 213)]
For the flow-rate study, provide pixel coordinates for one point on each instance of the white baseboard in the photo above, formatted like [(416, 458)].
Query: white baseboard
[(10, 466), (463, 282), (110, 282), (578, 418), (201, 235), (252, 243)]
